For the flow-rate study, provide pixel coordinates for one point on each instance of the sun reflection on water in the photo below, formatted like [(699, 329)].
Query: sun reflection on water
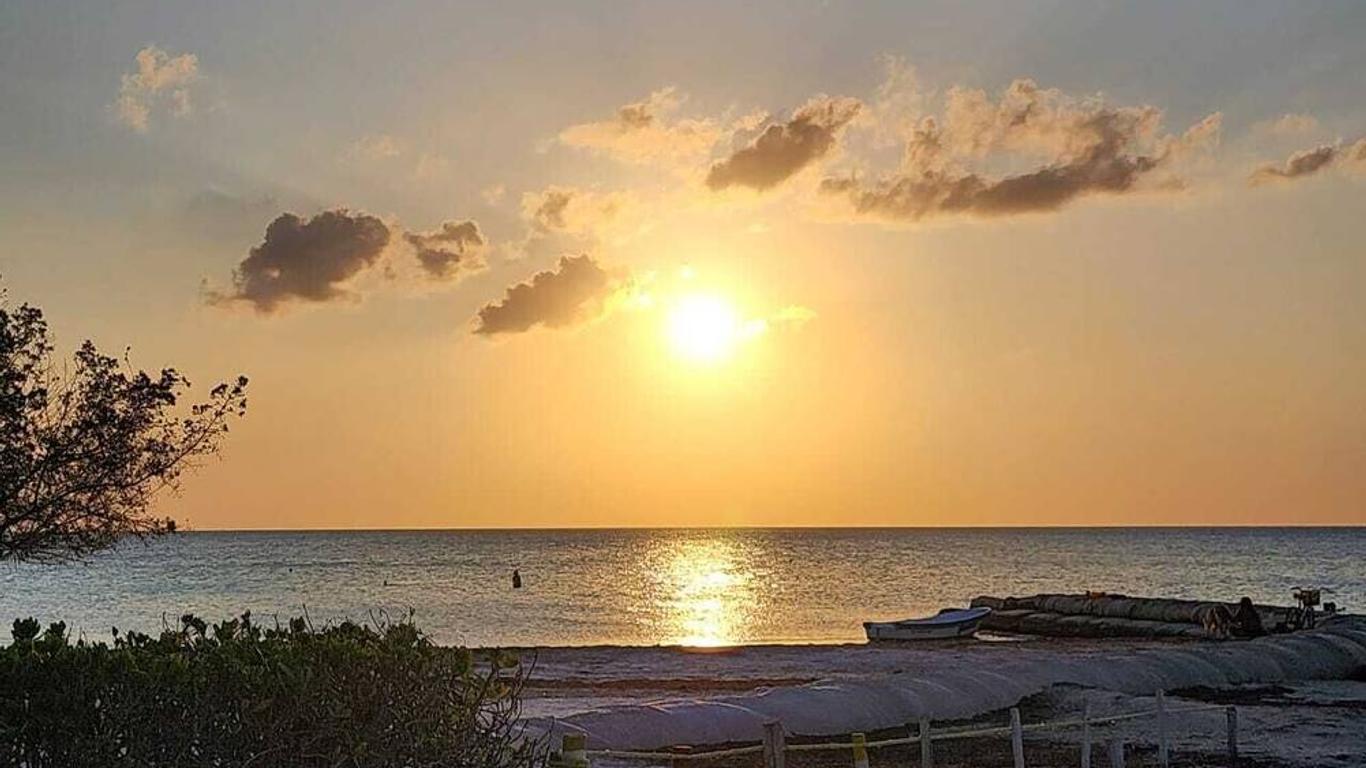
[(708, 593)]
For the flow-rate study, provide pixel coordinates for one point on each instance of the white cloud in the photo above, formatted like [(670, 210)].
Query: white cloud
[(161, 81)]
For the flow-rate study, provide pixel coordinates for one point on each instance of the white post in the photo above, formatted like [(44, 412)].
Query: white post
[(1232, 735), (860, 750), (775, 745), (1086, 733), (1162, 756), (1017, 737), (1116, 753), (926, 752)]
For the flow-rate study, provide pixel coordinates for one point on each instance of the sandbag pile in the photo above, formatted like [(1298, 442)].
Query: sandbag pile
[(1108, 615), (959, 687)]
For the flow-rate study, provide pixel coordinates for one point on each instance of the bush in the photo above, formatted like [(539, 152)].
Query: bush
[(235, 694)]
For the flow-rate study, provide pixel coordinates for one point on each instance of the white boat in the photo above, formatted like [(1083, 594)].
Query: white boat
[(948, 623)]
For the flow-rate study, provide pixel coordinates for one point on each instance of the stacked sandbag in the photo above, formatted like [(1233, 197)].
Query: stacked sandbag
[(965, 687), (1105, 615)]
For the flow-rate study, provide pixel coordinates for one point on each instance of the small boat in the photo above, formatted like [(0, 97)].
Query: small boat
[(948, 623)]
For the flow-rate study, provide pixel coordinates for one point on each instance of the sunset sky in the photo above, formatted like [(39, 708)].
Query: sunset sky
[(600, 264)]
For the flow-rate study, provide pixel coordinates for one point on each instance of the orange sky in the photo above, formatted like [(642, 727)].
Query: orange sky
[(897, 265)]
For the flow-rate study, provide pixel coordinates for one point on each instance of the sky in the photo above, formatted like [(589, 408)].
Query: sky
[(691, 264)]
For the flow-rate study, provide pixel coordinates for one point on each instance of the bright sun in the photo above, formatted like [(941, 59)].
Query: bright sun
[(704, 328)]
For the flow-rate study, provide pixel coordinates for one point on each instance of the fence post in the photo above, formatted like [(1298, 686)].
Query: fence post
[(860, 750), (926, 751), (1116, 753), (1232, 735), (572, 750), (775, 745), (1017, 737), (1163, 759), (1086, 732)]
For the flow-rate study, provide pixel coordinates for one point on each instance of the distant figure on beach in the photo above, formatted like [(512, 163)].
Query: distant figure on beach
[(1246, 621), (1243, 622), (516, 579)]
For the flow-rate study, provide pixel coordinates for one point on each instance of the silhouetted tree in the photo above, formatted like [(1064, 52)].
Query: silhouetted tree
[(85, 448)]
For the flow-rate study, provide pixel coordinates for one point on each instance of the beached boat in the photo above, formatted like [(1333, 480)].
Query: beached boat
[(948, 623)]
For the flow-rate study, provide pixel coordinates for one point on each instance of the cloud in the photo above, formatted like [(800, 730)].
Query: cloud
[(577, 290), (783, 149), (161, 80), (494, 193), (373, 147), (1309, 162), (1289, 124), (1070, 148), (449, 252), (307, 259), (641, 132), (573, 210)]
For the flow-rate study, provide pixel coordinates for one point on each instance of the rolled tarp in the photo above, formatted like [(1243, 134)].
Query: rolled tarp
[(964, 687)]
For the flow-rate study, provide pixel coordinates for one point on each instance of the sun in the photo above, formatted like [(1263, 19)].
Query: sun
[(704, 328)]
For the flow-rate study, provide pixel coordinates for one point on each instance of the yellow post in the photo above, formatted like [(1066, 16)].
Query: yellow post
[(573, 752), (860, 750)]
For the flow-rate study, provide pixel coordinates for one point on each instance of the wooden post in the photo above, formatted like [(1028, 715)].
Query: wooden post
[(1163, 759), (860, 750), (1116, 753), (1232, 735), (926, 751), (775, 745), (572, 750), (1017, 737), (1086, 733)]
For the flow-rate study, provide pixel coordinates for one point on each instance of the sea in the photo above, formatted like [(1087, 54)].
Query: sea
[(673, 587)]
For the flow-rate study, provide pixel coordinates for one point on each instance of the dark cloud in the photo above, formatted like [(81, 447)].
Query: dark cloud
[(1100, 155), (784, 149), (575, 291), (449, 252), (307, 260), (1311, 161)]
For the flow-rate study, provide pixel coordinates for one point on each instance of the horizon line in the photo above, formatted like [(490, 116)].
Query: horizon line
[(592, 528)]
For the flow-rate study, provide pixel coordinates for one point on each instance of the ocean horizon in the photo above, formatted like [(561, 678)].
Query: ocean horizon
[(703, 587)]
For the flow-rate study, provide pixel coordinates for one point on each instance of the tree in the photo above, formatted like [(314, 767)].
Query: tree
[(85, 449)]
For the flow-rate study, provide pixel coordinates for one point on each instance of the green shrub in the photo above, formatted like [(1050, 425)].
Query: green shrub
[(236, 694)]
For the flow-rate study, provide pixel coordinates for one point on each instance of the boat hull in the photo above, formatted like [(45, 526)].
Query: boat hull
[(946, 626)]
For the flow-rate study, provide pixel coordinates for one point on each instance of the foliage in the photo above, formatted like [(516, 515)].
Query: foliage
[(84, 450), (234, 694)]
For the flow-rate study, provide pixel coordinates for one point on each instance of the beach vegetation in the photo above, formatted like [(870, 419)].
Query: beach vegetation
[(237, 694)]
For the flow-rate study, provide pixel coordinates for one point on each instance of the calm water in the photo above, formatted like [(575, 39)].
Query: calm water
[(696, 587)]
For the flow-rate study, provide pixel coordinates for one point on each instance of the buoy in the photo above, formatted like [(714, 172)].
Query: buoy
[(516, 579)]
